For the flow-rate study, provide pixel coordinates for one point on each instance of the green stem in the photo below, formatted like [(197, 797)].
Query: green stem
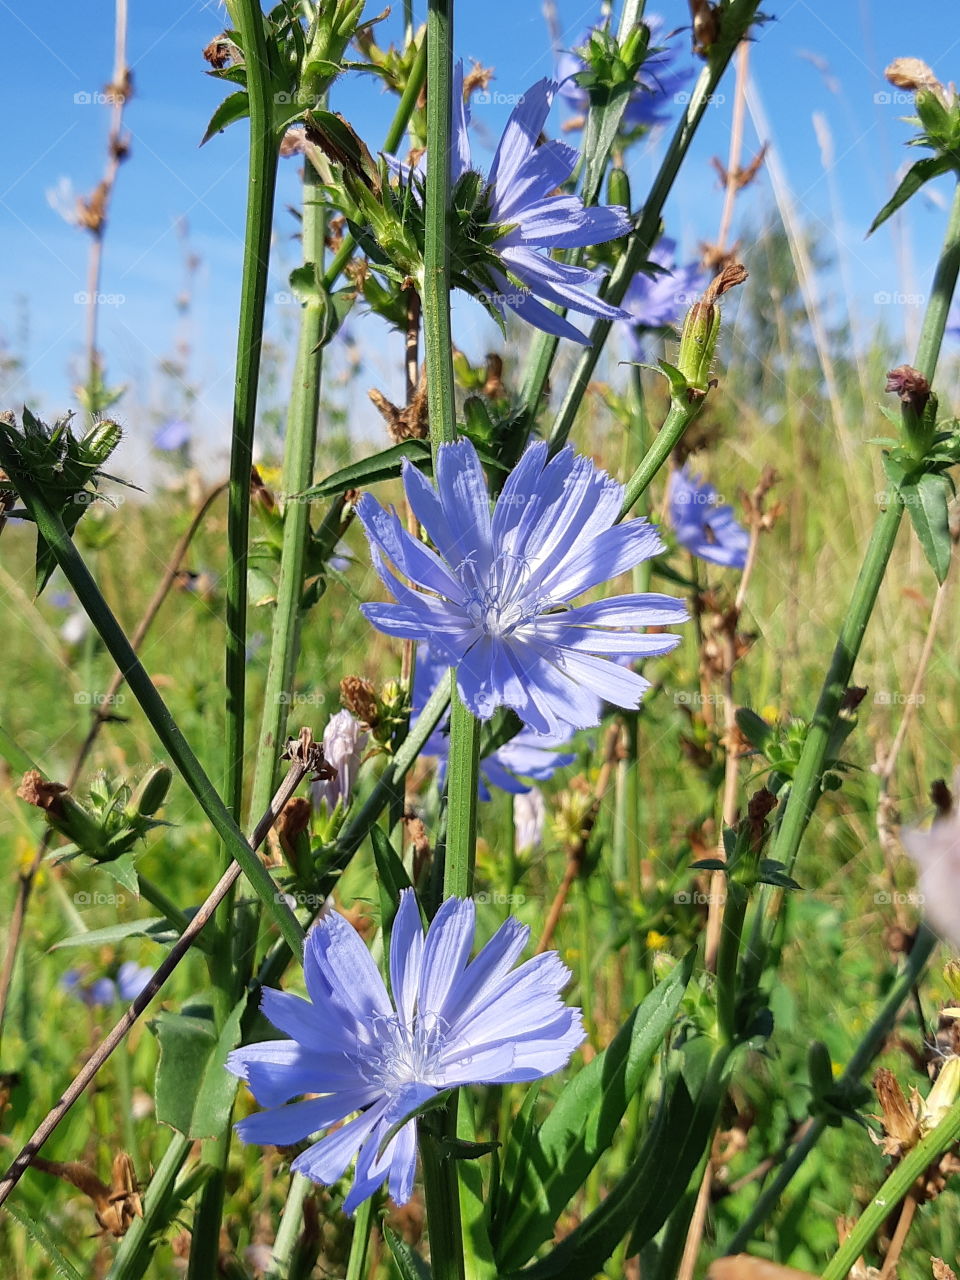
[(736, 20), (913, 1165), (356, 1263), (443, 1202), (864, 1054), (806, 785), (735, 910), (437, 337), (133, 1254), (463, 772), (288, 1232), (681, 414), (298, 463), (50, 526), (261, 185)]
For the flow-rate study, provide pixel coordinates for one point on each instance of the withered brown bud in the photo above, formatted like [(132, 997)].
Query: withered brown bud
[(291, 144), (36, 790), (221, 52), (852, 698), (360, 698), (900, 1119), (910, 385), (293, 821), (411, 423), (913, 74), (493, 387), (478, 77), (259, 493), (942, 798)]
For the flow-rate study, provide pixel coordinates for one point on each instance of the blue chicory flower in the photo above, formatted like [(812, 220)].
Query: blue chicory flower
[(172, 436), (527, 756), (659, 81), (659, 301), (449, 1023), (523, 203), (130, 981), (703, 525), (343, 745), (496, 593)]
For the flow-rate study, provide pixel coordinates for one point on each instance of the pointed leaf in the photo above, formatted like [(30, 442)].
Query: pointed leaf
[(926, 497), (409, 1263), (156, 928), (41, 1237), (235, 107), (583, 1121), (381, 466), (915, 177)]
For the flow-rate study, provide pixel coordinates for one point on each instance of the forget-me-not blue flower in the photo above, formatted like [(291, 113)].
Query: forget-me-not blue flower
[(495, 595), (451, 1021)]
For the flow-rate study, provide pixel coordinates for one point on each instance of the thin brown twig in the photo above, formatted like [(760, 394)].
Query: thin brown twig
[(577, 851), (904, 1223), (28, 877), (736, 144), (299, 767), (99, 203)]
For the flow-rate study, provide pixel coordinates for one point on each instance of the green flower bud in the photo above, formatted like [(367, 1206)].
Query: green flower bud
[(701, 328), (100, 441), (151, 792), (618, 188)]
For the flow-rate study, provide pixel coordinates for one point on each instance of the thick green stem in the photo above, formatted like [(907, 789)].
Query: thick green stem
[(298, 463), (681, 414), (437, 337), (50, 526), (443, 1202), (736, 20), (866, 1051), (806, 785), (462, 787), (928, 1150), (261, 184), (288, 1232)]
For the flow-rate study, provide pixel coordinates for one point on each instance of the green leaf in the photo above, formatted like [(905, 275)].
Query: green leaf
[(381, 466), (235, 107), (478, 1251), (583, 1122), (925, 497), (915, 177), (648, 1191), (41, 1236), (156, 928), (753, 727), (409, 1263), (124, 871), (392, 877), (190, 1051), (603, 123)]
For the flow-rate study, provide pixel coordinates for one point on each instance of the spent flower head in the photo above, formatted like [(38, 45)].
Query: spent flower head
[(494, 598), (353, 1049), (343, 742)]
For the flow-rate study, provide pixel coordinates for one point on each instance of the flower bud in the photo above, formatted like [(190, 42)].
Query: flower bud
[(151, 792), (701, 328), (942, 1096), (100, 441), (618, 187)]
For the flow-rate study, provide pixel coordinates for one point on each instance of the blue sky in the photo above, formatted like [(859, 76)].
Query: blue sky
[(817, 68)]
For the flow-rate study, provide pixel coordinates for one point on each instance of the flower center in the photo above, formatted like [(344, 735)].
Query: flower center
[(497, 603), (401, 1054)]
